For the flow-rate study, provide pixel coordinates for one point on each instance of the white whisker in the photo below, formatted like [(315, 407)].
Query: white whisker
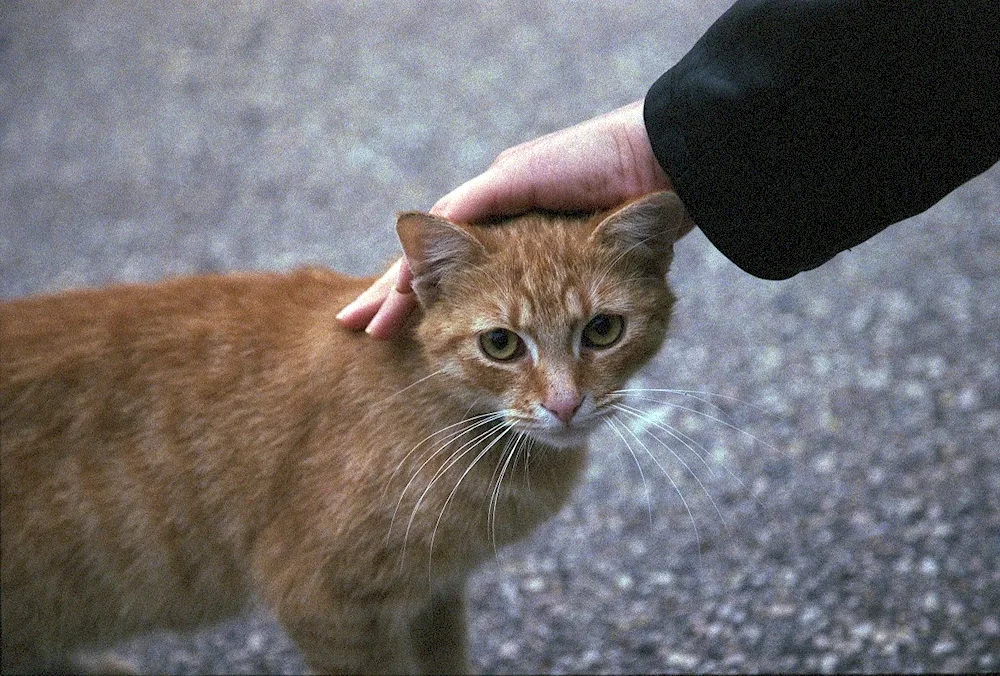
[(462, 451), (645, 417), (494, 484), (642, 475), (690, 442), (527, 465), (430, 436), (471, 424), (491, 512), (413, 384), (501, 432), (685, 439), (715, 419), (649, 419), (694, 524), (692, 394)]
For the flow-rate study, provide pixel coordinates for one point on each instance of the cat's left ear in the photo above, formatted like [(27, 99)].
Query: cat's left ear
[(434, 248), (646, 228)]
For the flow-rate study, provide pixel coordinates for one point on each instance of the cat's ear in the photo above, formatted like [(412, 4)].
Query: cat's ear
[(434, 248), (646, 228)]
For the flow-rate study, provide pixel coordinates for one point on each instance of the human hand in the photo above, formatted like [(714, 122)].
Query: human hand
[(381, 309), (596, 164)]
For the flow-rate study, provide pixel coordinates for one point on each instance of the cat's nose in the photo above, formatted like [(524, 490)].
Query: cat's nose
[(563, 405)]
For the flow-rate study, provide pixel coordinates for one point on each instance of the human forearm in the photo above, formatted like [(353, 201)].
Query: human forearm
[(794, 130)]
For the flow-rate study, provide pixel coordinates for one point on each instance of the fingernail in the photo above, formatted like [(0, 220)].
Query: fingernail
[(374, 323), (373, 328), (346, 311), (441, 206)]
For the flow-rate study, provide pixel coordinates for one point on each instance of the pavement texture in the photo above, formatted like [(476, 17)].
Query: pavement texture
[(846, 513)]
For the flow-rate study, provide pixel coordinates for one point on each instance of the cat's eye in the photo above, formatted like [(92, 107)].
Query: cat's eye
[(603, 331), (501, 344)]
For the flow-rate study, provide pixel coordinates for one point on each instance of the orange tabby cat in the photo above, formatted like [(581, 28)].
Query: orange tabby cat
[(173, 453)]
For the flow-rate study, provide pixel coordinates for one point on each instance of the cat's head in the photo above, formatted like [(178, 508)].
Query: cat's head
[(541, 316)]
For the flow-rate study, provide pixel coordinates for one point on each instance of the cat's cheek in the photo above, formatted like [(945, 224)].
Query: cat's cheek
[(485, 385)]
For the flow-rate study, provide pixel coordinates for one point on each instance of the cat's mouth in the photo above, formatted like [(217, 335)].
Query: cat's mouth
[(573, 435), (543, 425)]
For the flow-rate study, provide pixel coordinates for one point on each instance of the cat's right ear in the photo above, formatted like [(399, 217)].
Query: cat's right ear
[(434, 248)]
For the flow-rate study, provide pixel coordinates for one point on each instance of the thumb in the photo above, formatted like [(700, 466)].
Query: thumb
[(495, 192)]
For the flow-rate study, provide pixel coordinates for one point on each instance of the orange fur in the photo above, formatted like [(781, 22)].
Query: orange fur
[(173, 453)]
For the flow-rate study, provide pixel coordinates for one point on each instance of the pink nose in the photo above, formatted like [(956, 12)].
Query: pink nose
[(563, 405)]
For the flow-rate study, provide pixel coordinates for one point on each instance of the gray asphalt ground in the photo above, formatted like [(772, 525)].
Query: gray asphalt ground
[(847, 514)]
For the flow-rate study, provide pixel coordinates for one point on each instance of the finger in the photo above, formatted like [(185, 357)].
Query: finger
[(391, 315), (359, 312), (495, 192), (404, 276), (468, 202)]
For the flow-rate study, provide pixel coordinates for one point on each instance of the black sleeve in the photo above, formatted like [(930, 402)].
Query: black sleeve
[(795, 129)]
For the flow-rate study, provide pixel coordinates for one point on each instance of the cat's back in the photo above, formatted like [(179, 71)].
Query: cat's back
[(47, 331), (169, 327)]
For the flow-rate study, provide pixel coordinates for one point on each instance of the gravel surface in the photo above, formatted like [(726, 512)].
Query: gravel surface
[(846, 515)]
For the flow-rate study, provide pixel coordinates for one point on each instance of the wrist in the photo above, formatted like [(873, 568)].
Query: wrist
[(650, 174)]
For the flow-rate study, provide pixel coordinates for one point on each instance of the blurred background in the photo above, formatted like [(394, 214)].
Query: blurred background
[(838, 504)]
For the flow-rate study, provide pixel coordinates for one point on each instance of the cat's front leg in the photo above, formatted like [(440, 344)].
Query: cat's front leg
[(439, 633), (357, 639)]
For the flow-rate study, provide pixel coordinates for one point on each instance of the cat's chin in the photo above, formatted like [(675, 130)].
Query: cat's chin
[(562, 438)]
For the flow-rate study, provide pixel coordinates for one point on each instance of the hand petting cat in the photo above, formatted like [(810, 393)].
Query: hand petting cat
[(597, 164)]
